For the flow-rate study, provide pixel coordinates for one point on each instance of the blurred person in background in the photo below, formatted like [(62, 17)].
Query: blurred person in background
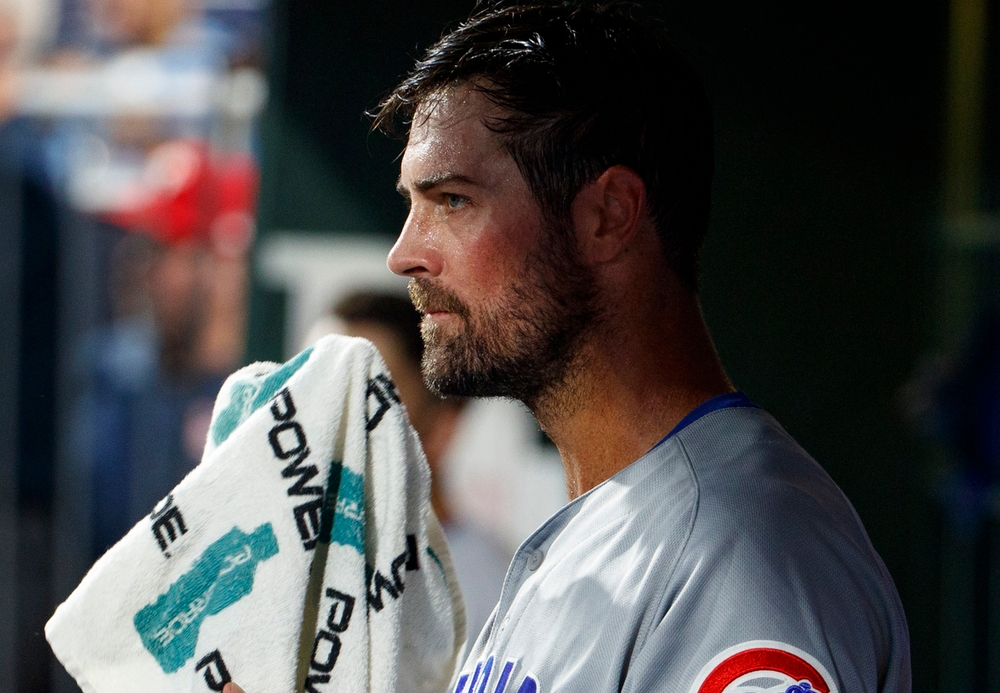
[(144, 22), (178, 299), (393, 325), (138, 74), (174, 31)]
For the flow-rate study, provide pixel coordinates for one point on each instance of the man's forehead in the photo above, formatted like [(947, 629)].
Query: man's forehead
[(449, 141), (455, 114)]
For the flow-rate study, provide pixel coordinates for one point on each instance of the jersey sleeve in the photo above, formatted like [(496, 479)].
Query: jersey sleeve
[(777, 591)]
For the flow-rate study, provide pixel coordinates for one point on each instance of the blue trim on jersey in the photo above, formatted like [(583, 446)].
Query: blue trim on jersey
[(729, 399)]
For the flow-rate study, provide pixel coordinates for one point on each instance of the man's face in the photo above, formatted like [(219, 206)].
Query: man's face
[(504, 296)]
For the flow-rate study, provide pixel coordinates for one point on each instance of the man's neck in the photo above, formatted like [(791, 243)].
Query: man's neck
[(634, 381)]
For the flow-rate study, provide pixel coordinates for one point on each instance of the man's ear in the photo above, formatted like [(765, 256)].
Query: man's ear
[(608, 212)]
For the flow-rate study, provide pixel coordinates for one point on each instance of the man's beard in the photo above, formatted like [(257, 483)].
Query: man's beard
[(521, 344)]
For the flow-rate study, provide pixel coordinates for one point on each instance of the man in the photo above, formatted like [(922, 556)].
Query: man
[(558, 168)]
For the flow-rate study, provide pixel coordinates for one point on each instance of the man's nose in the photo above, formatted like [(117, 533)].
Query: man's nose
[(413, 255)]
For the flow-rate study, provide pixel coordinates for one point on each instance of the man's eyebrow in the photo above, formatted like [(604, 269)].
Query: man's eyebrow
[(431, 182)]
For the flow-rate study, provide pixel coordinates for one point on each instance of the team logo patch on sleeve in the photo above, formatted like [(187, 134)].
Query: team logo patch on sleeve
[(764, 666)]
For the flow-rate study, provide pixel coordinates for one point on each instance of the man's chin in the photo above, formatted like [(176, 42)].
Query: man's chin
[(446, 384), (441, 335), (444, 377), (458, 380)]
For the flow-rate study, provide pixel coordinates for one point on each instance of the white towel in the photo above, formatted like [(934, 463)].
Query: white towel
[(301, 554)]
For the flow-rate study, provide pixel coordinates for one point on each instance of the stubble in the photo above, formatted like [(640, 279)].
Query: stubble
[(523, 344)]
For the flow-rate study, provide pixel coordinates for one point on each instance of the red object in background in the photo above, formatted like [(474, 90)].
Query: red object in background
[(190, 194)]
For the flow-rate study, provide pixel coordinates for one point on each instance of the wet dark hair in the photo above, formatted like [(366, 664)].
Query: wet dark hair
[(582, 88)]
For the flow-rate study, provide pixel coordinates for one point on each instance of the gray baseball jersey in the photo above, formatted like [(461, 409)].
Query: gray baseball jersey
[(725, 560)]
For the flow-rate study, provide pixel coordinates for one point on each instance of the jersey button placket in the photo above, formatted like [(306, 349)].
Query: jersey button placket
[(535, 559)]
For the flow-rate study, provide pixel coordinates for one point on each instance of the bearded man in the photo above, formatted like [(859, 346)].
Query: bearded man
[(558, 168)]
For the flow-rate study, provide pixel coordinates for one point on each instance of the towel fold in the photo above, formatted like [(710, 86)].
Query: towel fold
[(302, 554)]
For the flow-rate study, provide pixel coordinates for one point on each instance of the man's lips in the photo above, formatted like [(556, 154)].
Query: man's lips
[(433, 300), (439, 314)]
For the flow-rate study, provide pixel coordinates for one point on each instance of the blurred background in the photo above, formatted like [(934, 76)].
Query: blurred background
[(190, 185)]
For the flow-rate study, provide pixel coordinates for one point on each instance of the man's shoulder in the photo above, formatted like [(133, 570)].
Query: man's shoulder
[(732, 475), (775, 553), (753, 479), (728, 445)]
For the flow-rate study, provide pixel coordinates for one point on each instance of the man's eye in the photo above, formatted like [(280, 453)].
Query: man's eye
[(455, 201)]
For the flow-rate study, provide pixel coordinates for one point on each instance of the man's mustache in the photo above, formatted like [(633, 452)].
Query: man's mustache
[(428, 297)]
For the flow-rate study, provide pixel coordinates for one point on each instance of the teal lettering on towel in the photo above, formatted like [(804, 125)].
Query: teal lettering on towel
[(349, 520), (248, 396), (222, 576)]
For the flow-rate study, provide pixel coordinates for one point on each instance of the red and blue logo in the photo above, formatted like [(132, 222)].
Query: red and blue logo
[(764, 666)]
